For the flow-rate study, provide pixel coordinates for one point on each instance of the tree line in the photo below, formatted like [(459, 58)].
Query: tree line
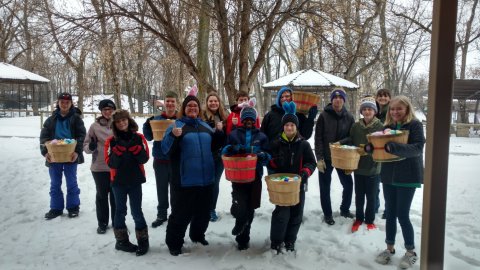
[(144, 48)]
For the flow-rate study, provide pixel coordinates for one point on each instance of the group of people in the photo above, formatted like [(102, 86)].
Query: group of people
[(188, 166)]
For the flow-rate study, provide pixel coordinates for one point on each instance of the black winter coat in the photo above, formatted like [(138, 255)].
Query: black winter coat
[(272, 124), (331, 127), (77, 128), (409, 170), (128, 168), (292, 157)]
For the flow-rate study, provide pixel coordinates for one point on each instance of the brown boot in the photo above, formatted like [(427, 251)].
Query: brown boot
[(142, 239), (123, 244)]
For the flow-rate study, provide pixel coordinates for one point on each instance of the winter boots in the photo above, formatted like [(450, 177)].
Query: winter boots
[(159, 221), (53, 214), (73, 212), (143, 244), (123, 244)]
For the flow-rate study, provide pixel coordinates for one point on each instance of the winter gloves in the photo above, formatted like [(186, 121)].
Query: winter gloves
[(389, 147), (312, 112), (119, 150), (93, 144), (321, 166), (135, 149), (234, 149), (263, 158), (368, 148), (304, 174)]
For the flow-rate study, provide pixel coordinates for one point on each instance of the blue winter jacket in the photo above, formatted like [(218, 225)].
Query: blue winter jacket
[(191, 153), (147, 132), (253, 141)]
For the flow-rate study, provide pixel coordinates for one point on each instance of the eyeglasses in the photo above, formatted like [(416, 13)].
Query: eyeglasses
[(192, 106)]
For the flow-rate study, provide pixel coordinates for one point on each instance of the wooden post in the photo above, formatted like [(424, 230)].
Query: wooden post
[(442, 63)]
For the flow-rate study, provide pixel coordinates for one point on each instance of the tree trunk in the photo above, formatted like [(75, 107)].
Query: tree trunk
[(202, 46)]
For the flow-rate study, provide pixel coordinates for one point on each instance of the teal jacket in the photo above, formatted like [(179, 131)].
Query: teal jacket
[(358, 135)]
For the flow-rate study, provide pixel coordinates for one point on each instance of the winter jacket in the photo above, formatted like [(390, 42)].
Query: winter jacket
[(358, 135), (382, 113), (236, 114), (292, 156), (157, 145), (76, 127), (191, 153), (272, 124), (252, 140), (99, 131), (331, 127), (409, 170), (127, 168)]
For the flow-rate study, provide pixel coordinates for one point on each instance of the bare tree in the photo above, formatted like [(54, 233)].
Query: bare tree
[(73, 51)]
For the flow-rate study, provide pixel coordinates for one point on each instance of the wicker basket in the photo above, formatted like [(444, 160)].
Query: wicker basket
[(344, 158), (159, 127), (60, 152), (240, 168), (379, 141), (283, 193), (305, 101)]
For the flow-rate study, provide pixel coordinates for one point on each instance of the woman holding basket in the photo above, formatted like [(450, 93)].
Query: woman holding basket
[(401, 178), (291, 153)]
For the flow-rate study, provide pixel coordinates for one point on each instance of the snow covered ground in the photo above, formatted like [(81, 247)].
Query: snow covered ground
[(30, 242)]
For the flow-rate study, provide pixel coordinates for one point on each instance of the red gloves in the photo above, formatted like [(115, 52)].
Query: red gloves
[(135, 149), (118, 150)]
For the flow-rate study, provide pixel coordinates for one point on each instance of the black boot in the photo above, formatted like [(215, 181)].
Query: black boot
[(53, 214), (239, 227), (123, 244), (73, 212), (159, 221), (243, 245), (276, 247), (290, 246), (201, 241), (142, 239)]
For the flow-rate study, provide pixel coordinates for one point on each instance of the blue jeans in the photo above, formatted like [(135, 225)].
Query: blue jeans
[(56, 170), (134, 193), (398, 201), (365, 187), (325, 180), (163, 175), (377, 201), (216, 184)]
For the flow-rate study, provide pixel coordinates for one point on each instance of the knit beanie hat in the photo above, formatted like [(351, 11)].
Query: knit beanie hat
[(279, 95), (248, 112), (64, 96), (368, 102), (106, 103), (192, 95), (290, 109), (338, 92)]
